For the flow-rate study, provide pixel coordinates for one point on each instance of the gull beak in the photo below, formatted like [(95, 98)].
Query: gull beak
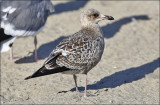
[(107, 17)]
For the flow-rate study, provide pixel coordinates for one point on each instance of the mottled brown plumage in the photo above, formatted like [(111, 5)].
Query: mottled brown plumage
[(80, 52)]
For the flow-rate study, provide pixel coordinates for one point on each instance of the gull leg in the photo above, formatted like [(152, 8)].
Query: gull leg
[(11, 53), (85, 91), (35, 53), (75, 80)]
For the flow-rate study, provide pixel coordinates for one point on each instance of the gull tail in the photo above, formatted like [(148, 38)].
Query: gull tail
[(44, 71)]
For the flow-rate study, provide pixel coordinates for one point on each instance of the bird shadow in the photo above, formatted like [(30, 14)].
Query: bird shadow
[(123, 77), (69, 6), (43, 51), (110, 30)]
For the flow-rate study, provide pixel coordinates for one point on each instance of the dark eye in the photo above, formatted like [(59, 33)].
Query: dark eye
[(95, 15)]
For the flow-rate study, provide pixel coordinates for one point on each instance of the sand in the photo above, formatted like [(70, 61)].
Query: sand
[(128, 72)]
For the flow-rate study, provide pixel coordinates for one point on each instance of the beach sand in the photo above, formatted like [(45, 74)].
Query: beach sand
[(128, 72)]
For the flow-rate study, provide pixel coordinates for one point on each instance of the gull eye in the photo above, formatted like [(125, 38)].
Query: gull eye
[(95, 15)]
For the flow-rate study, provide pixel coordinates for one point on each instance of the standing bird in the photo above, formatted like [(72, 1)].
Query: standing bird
[(22, 18), (78, 53)]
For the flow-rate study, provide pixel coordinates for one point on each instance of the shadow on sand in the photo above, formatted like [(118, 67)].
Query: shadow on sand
[(69, 6), (111, 29), (124, 76), (43, 51)]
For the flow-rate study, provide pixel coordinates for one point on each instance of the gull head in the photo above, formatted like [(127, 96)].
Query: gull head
[(93, 16)]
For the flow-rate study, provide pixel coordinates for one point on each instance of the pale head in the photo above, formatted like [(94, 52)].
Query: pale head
[(92, 16)]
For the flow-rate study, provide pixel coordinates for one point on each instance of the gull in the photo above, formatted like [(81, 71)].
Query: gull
[(22, 18), (78, 53)]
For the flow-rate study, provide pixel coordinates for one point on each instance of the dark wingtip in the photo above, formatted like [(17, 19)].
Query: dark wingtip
[(44, 71)]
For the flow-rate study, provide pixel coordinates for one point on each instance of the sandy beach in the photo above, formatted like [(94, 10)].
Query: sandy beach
[(128, 72)]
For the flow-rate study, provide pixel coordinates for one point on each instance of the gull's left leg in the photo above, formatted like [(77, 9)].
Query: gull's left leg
[(11, 53), (75, 80), (85, 91), (35, 52)]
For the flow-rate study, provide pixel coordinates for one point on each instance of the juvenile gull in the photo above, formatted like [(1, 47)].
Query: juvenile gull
[(79, 53), (22, 18)]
